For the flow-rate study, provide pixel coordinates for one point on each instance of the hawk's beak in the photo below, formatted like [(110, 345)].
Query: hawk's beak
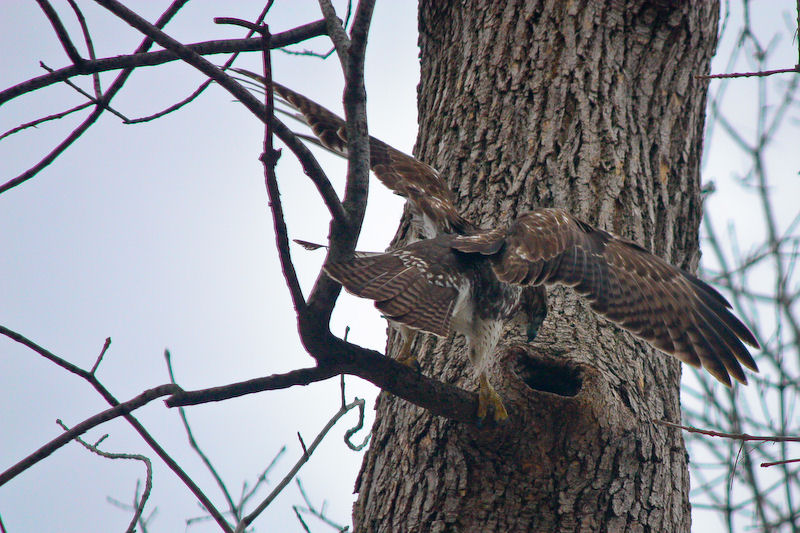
[(534, 304)]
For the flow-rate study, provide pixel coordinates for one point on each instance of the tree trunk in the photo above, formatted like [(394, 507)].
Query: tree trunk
[(593, 107)]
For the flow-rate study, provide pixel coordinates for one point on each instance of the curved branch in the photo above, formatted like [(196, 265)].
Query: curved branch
[(148, 465)]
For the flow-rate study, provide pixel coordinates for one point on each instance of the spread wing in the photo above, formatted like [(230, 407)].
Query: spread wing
[(663, 305), (417, 285), (430, 199)]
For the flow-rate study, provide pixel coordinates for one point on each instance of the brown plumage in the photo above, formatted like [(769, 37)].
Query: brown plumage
[(659, 303), (470, 280), (430, 199)]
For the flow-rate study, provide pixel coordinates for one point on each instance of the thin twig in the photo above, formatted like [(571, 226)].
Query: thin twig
[(106, 344), (734, 436), (203, 65), (341, 42), (121, 409), (203, 86), (784, 462), (145, 59), (128, 507), (148, 484), (98, 101), (307, 452), (111, 400), (246, 495), (311, 509), (235, 511), (269, 158), (360, 423), (118, 83), (760, 74), (87, 39), (302, 443), (343, 237), (61, 33), (311, 166), (254, 27), (55, 116)]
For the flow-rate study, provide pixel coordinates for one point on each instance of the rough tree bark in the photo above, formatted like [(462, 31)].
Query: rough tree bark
[(590, 106)]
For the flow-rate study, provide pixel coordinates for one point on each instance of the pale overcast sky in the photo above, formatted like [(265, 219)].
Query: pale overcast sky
[(159, 236)]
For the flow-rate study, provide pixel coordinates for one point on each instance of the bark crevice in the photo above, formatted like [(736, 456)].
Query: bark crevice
[(552, 375), (592, 107)]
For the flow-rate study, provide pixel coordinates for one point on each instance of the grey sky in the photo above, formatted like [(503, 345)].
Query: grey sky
[(158, 235)]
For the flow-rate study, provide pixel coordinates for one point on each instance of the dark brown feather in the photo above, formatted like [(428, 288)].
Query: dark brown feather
[(414, 285), (669, 308), (431, 199)]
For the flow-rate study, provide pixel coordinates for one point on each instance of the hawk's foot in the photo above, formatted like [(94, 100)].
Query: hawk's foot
[(488, 399), (405, 356), (410, 361)]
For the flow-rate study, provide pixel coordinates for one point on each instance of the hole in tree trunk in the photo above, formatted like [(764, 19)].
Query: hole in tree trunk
[(548, 376)]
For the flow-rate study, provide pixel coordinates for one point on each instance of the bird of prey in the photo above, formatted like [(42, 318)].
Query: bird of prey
[(465, 279)]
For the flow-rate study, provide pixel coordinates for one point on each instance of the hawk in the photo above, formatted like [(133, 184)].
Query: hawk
[(465, 279)]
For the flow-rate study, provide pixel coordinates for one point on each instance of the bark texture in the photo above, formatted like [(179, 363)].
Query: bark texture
[(593, 107)]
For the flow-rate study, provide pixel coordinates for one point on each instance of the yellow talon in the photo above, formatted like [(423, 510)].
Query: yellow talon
[(410, 361), (405, 356), (488, 397)]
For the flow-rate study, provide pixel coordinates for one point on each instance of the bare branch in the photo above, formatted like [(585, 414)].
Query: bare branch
[(344, 358), (348, 434), (142, 59), (106, 344), (310, 165), (225, 81), (95, 100), (203, 86), (87, 38), (784, 462), (66, 365), (246, 495), (102, 103), (307, 452), (760, 74), (235, 511), (121, 409), (61, 33), (148, 485), (269, 158), (303, 376), (341, 42), (254, 27), (302, 444), (41, 120), (734, 436), (312, 510), (110, 399), (343, 238)]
